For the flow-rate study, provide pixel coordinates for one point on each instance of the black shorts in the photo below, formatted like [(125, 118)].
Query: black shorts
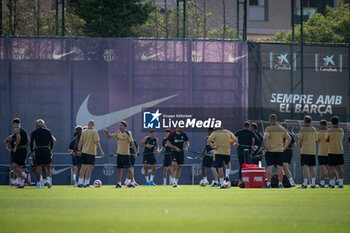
[(167, 161), (178, 157), (322, 160), (123, 161), (42, 157), (132, 160), (309, 160), (20, 156), (76, 160), (149, 159), (87, 159), (287, 156), (220, 159), (335, 159), (207, 161), (273, 158)]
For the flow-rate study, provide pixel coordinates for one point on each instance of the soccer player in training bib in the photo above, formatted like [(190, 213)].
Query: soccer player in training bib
[(176, 141), (19, 141), (334, 137), (167, 156), (88, 144), (150, 143), (124, 138), (276, 140), (322, 152), (222, 145), (42, 144)]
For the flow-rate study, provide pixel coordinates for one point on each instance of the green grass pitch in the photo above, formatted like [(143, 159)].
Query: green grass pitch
[(166, 210)]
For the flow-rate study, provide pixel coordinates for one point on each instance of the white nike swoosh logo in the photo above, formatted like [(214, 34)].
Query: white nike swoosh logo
[(56, 172), (146, 58), (58, 56), (234, 59), (103, 121), (234, 171)]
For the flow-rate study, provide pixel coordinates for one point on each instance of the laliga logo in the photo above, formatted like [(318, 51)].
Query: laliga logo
[(151, 120)]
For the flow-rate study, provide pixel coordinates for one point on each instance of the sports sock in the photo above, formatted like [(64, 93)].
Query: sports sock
[(87, 181), (176, 180), (227, 171), (22, 182), (268, 183), (205, 178), (221, 181), (164, 179), (127, 181), (291, 181), (43, 182), (305, 182), (132, 183), (24, 175), (120, 183), (81, 180), (341, 181), (313, 181), (152, 176), (49, 179), (279, 183), (74, 177), (12, 180), (173, 180), (147, 178), (322, 182), (332, 182)]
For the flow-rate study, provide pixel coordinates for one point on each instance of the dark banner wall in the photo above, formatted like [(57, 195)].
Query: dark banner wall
[(70, 81)]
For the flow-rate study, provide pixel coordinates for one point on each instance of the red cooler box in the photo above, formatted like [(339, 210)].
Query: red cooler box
[(253, 177)]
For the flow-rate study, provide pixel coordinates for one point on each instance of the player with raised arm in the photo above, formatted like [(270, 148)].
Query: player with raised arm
[(87, 149), (334, 137), (222, 139), (176, 141), (150, 143), (124, 138), (276, 140)]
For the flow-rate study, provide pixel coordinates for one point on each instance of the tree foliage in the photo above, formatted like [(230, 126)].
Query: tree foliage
[(333, 27), (111, 18)]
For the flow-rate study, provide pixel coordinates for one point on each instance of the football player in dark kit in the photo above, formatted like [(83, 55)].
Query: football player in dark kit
[(246, 139), (19, 141), (176, 141), (287, 156), (258, 145), (207, 162), (73, 148), (150, 143), (42, 144), (167, 156), (133, 156)]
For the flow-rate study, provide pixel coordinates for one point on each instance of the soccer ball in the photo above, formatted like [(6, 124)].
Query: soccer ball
[(227, 184), (97, 183), (203, 183)]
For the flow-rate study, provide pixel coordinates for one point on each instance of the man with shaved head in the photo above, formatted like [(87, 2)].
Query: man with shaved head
[(87, 149)]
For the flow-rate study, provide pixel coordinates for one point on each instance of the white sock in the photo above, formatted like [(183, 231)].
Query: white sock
[(221, 181), (74, 177), (205, 178), (305, 182), (43, 181), (173, 180), (49, 179), (24, 175), (164, 179), (12, 180), (268, 183), (176, 180), (152, 176), (215, 181), (147, 179), (132, 183), (291, 181), (127, 181), (227, 172), (341, 181), (87, 181), (279, 183), (322, 182), (332, 182), (313, 181), (81, 180), (22, 182), (120, 183)]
